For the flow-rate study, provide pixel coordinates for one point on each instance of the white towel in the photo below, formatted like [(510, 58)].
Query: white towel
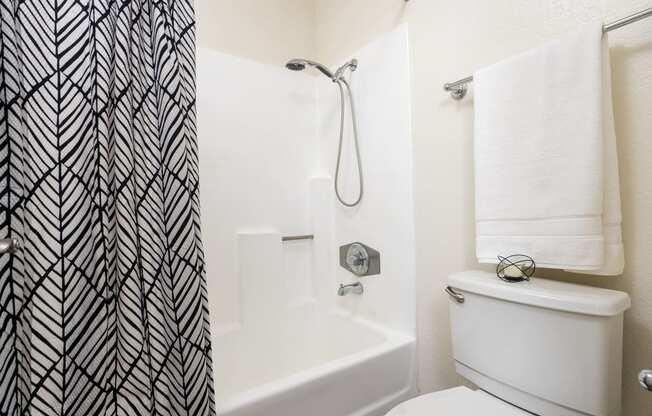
[(546, 167)]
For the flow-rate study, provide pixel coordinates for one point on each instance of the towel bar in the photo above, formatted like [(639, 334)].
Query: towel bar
[(459, 88), (297, 237)]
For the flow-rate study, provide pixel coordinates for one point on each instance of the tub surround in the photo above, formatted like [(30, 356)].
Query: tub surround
[(283, 338)]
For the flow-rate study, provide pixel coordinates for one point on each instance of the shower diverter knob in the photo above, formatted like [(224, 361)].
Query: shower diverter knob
[(360, 259), (357, 259)]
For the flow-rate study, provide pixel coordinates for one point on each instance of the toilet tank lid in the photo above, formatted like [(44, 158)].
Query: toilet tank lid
[(544, 293)]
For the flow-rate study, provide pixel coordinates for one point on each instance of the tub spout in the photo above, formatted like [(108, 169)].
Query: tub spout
[(355, 288)]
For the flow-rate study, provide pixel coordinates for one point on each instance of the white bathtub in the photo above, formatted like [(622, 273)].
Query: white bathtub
[(308, 363)]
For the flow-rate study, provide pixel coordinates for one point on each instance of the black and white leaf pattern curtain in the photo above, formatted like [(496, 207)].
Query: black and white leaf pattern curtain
[(103, 311)]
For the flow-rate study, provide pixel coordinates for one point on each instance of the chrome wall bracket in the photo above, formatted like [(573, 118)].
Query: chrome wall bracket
[(457, 91), (360, 259), (645, 379)]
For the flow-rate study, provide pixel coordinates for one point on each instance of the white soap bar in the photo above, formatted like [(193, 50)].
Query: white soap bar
[(512, 271)]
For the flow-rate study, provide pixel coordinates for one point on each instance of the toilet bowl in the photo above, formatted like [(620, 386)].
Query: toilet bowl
[(517, 341), (458, 401)]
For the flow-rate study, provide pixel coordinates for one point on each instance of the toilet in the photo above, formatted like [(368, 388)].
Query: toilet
[(538, 347)]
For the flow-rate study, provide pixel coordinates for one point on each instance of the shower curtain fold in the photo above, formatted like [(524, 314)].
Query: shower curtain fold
[(103, 311)]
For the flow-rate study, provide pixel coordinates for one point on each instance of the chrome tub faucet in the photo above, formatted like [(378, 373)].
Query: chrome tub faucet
[(355, 288)]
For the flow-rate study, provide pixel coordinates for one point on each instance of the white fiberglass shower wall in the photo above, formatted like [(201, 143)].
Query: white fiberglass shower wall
[(283, 341)]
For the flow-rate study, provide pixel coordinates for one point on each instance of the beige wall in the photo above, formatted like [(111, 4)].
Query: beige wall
[(268, 31), (449, 39)]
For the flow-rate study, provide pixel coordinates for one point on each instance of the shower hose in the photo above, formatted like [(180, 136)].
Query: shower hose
[(341, 83)]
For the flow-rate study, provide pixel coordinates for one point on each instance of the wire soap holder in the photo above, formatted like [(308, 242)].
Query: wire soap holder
[(515, 268)]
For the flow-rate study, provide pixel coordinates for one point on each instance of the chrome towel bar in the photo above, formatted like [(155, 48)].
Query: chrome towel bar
[(297, 237), (459, 88)]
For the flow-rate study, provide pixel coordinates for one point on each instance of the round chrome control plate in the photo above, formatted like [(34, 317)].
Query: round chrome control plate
[(357, 259)]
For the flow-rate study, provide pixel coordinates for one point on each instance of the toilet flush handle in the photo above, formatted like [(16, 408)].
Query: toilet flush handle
[(459, 298), (645, 378)]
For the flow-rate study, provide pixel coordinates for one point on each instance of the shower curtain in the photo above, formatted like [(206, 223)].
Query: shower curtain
[(103, 310)]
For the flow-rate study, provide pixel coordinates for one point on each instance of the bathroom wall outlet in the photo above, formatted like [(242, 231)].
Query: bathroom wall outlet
[(360, 259)]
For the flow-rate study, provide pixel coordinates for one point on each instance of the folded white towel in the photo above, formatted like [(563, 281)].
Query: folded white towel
[(546, 168)]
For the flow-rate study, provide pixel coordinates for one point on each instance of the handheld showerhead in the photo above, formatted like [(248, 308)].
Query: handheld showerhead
[(338, 79), (296, 65), (301, 64)]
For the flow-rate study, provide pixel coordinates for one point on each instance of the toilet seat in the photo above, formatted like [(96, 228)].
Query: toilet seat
[(458, 401)]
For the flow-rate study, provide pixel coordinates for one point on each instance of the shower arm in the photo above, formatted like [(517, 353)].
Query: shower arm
[(339, 73)]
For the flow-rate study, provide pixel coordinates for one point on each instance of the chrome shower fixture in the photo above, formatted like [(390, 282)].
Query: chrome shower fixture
[(355, 288), (301, 64), (360, 259), (339, 78), (352, 65)]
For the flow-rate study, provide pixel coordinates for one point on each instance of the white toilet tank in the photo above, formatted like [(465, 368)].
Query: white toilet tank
[(549, 347)]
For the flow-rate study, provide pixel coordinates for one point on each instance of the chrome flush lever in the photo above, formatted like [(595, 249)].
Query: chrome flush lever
[(459, 298)]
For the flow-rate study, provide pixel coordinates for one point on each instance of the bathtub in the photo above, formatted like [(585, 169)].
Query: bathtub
[(312, 363)]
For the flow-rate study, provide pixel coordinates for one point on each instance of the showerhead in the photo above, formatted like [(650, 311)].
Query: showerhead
[(301, 64), (296, 65), (338, 79)]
